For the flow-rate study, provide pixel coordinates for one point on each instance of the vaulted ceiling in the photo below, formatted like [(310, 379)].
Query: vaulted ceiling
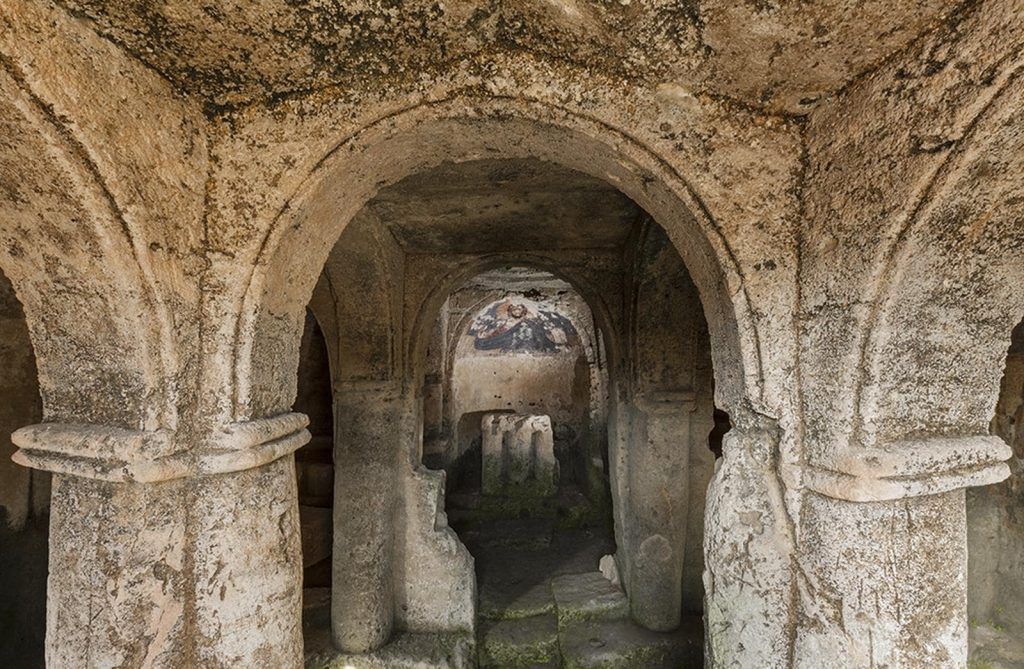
[(489, 206), (781, 55)]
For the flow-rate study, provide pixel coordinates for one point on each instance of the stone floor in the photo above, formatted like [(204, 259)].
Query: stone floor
[(542, 604), (994, 647)]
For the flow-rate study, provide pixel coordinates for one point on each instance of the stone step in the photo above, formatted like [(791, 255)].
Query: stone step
[(511, 599), (516, 644), (587, 596), (621, 644), (404, 651)]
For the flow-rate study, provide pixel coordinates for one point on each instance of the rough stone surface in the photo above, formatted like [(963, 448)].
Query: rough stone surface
[(601, 644), (827, 246), (995, 535), (510, 598), (519, 643), (518, 456), (587, 596)]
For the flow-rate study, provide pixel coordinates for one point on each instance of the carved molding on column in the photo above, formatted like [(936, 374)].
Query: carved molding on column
[(117, 454), (254, 443), (903, 469)]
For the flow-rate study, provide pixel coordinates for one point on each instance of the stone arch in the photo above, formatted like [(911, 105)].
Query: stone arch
[(107, 356), (102, 334), (458, 276), (430, 306), (961, 252), (462, 129), (594, 349), (931, 331)]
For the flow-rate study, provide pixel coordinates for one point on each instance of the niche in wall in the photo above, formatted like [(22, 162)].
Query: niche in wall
[(519, 341)]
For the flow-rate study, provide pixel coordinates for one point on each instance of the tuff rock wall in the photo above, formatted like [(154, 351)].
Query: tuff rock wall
[(857, 255)]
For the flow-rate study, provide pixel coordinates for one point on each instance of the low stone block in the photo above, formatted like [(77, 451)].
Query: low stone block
[(405, 651), (519, 643), (510, 600), (588, 597), (621, 644)]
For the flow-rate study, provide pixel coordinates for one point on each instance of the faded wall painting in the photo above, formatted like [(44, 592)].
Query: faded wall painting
[(519, 325)]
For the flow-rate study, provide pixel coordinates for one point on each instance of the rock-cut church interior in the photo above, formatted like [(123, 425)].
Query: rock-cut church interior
[(583, 334)]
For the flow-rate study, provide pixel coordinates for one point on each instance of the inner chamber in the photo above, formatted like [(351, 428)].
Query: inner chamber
[(556, 366)]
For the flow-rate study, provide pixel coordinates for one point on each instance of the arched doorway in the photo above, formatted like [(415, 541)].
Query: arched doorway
[(521, 433), (390, 397)]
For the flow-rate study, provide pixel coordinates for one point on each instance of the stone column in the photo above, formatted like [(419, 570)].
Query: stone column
[(883, 553), (145, 566), (657, 508), (367, 425)]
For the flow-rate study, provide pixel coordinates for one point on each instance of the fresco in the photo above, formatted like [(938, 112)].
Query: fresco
[(522, 326)]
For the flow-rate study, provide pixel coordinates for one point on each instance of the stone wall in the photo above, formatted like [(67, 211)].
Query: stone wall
[(661, 461), (843, 188), (903, 337)]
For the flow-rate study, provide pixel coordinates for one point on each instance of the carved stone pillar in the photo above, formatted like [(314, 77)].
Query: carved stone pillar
[(884, 552), (367, 427), (748, 553), (655, 508), (145, 566)]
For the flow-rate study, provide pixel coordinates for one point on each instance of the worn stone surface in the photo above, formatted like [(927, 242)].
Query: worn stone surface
[(511, 598), (602, 644), (588, 596), (995, 534), (518, 643), (518, 456), (828, 247), (793, 60)]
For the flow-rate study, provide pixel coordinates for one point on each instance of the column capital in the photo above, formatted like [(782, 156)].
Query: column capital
[(904, 469), (122, 455)]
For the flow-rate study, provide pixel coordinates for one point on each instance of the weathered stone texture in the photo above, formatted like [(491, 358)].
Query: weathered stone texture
[(807, 216), (518, 455)]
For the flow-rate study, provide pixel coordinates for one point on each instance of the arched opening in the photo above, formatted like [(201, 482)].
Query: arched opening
[(995, 532), (314, 470), (521, 341), (24, 496), (413, 577), (560, 374), (520, 375)]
